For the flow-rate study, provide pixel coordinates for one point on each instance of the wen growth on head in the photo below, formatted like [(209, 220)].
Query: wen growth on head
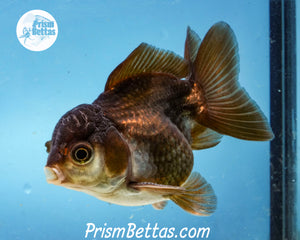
[(133, 145)]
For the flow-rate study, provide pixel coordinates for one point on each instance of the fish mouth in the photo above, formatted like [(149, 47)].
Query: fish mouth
[(54, 175)]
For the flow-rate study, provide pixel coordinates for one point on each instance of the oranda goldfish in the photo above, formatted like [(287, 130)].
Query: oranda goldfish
[(133, 145)]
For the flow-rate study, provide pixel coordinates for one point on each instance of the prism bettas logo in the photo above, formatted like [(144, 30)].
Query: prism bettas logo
[(37, 30)]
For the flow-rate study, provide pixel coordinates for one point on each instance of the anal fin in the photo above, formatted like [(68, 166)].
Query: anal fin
[(203, 137)]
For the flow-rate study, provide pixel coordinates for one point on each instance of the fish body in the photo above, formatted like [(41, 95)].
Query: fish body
[(133, 145)]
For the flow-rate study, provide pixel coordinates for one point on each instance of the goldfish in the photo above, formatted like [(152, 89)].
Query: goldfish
[(134, 144)]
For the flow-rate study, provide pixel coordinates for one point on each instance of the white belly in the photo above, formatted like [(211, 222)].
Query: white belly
[(122, 195)]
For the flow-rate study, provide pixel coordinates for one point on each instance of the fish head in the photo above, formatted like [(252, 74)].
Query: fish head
[(81, 152)]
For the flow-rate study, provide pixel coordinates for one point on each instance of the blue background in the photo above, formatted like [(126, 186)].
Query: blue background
[(37, 88)]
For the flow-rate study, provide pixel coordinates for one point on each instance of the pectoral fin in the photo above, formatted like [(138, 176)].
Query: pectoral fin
[(195, 196), (199, 197)]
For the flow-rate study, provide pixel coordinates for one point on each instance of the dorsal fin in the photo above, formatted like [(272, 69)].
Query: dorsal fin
[(192, 44), (148, 59)]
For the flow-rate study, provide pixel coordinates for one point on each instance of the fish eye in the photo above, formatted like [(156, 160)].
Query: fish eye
[(82, 153)]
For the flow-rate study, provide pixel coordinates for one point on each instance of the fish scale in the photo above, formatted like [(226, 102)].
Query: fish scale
[(173, 161), (151, 120), (154, 98)]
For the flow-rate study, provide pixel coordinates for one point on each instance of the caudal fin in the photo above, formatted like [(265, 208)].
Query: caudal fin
[(225, 106), (192, 44)]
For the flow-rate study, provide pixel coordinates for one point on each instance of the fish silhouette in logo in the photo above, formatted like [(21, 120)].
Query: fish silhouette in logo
[(26, 34), (133, 145)]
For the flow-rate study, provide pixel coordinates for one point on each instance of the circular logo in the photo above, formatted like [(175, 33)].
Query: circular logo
[(37, 30)]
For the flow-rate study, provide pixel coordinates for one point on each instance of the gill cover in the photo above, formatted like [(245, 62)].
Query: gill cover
[(116, 153)]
